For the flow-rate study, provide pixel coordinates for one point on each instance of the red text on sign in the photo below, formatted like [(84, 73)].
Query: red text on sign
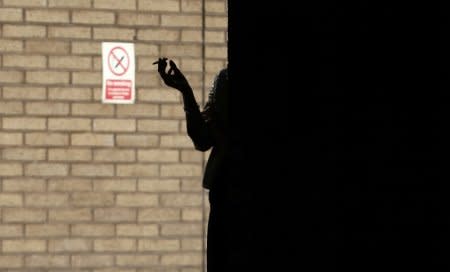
[(118, 89)]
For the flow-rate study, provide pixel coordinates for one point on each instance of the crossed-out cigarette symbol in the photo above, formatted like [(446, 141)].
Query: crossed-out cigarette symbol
[(118, 61)]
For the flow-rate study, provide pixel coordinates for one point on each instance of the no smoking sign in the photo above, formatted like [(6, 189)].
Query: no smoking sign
[(118, 61), (118, 73)]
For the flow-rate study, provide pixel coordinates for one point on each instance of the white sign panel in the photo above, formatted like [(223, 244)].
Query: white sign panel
[(118, 73)]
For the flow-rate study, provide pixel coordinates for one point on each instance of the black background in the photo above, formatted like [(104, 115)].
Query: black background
[(340, 114)]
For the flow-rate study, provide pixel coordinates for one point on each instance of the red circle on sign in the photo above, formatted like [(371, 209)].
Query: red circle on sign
[(118, 61)]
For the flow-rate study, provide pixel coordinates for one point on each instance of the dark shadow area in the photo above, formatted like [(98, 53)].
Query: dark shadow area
[(340, 114)]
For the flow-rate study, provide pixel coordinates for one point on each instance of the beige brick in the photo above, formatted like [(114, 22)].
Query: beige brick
[(158, 155), (181, 200), (10, 169), (110, 33), (65, 154), (192, 214), (91, 139), (147, 80), (69, 185), (70, 94), (11, 45), (73, 62), (47, 16), (115, 5), (11, 108), (176, 141), (21, 246), (182, 259), (181, 51), (133, 230), (181, 229), (87, 78), (192, 244), (181, 20), (28, 61), (216, 6), (115, 185), (10, 200), (23, 123), (92, 260), (159, 35), (217, 37), (159, 185), (212, 66), (70, 32), (137, 170), (145, 64), (46, 139), (91, 109), (93, 17), (11, 261), (70, 215), (25, 3), (23, 215), (47, 46), (97, 63), (46, 230), (47, 200), (192, 65), (159, 215), (46, 169), (112, 269), (93, 230), (11, 14), (191, 156), (216, 22), (93, 170), (91, 199), (47, 77), (24, 185), (114, 155), (191, 6), (24, 93), (159, 245), (47, 108), (137, 140), (137, 200), (69, 124), (144, 110), (24, 154), (86, 48), (159, 96), (137, 260), (24, 31), (191, 36), (172, 111), (115, 214), (10, 139), (191, 185), (69, 245), (159, 5), (158, 126), (114, 245), (138, 19), (147, 50), (10, 231), (119, 125), (49, 261), (216, 52), (181, 170), (11, 77), (70, 3)]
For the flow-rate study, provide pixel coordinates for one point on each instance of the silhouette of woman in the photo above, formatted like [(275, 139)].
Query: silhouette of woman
[(208, 129)]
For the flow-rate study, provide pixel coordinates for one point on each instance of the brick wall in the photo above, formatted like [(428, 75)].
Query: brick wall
[(86, 186)]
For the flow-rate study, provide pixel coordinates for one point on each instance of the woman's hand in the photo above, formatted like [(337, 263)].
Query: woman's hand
[(173, 77)]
